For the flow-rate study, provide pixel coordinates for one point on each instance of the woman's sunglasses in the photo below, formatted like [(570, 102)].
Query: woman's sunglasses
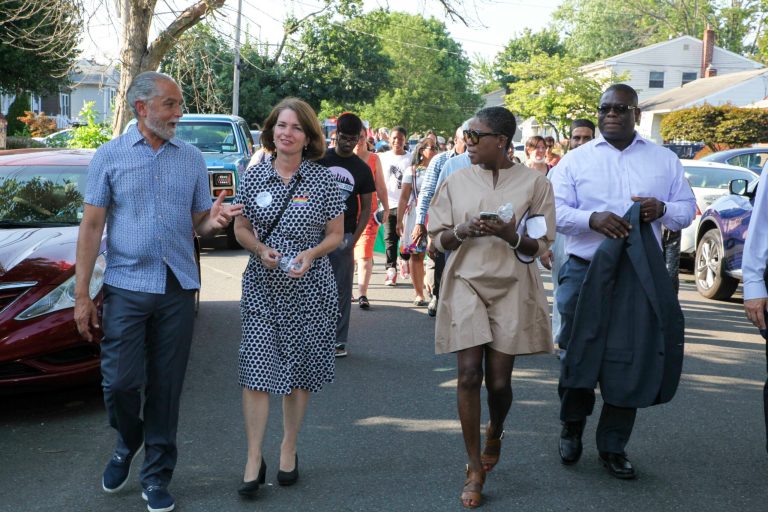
[(474, 135)]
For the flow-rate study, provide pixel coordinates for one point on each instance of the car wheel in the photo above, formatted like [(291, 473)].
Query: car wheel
[(232, 242), (711, 280)]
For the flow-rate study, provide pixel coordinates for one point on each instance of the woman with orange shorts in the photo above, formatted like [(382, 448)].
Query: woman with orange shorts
[(364, 246)]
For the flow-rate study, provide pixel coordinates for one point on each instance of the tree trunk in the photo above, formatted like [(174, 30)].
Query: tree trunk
[(137, 56)]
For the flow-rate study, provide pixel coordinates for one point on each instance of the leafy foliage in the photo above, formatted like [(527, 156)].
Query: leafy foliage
[(38, 43), (717, 127), (92, 134), (21, 104), (39, 125), (596, 29), (552, 90), (429, 86), (39, 199), (523, 47)]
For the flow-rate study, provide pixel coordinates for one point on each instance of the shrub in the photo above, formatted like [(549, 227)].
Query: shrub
[(92, 134), (39, 125), (22, 143), (20, 105)]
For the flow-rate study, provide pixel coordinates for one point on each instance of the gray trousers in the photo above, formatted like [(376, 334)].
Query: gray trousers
[(615, 425), (343, 264), (146, 344)]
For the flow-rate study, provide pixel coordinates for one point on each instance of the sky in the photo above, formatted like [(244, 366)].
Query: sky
[(491, 22)]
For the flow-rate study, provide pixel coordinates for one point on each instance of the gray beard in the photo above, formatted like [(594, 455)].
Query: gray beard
[(164, 132)]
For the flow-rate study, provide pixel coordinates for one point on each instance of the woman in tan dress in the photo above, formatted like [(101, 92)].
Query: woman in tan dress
[(492, 303)]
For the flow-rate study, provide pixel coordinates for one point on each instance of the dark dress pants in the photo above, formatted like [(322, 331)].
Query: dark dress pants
[(391, 239), (147, 340), (434, 275), (615, 425), (343, 265)]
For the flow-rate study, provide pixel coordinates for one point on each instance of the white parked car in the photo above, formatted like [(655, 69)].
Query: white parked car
[(709, 181)]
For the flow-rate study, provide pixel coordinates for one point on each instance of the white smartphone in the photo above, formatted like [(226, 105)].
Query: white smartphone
[(492, 216)]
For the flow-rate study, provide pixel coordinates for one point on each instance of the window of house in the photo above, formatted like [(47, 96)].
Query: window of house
[(656, 80), (689, 77), (66, 109)]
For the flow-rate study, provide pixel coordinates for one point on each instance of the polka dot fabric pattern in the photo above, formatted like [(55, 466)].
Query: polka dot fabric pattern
[(288, 325)]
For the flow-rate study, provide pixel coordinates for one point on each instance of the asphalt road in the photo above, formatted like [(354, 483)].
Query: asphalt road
[(385, 435)]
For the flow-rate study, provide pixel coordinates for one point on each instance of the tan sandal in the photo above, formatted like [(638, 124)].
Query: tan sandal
[(471, 494), (491, 452)]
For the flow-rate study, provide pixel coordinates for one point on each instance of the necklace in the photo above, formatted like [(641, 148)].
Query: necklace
[(284, 178)]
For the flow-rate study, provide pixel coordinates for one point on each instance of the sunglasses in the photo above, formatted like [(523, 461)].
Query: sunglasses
[(474, 135), (347, 138), (433, 148), (619, 108)]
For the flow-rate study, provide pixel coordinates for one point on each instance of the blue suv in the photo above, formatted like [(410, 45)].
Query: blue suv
[(227, 147)]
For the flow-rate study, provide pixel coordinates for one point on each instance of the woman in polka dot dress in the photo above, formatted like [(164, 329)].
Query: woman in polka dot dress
[(288, 312)]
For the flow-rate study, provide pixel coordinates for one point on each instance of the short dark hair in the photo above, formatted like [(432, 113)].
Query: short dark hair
[(309, 123), (399, 129), (500, 120), (349, 124), (622, 88), (583, 123)]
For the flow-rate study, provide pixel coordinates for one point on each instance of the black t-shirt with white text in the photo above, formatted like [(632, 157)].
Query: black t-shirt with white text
[(354, 178)]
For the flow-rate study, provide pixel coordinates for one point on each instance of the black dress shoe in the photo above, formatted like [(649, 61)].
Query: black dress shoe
[(249, 489), (618, 465), (286, 478), (570, 446)]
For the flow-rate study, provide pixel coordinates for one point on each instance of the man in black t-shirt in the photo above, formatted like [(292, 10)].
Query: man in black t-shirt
[(355, 181)]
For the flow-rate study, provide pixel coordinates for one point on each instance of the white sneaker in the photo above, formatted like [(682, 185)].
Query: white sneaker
[(391, 277)]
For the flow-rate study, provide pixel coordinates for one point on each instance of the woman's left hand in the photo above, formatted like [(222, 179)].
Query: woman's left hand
[(305, 259), (504, 230)]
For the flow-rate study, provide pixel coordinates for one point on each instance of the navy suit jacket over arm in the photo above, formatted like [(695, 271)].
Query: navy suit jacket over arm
[(629, 328)]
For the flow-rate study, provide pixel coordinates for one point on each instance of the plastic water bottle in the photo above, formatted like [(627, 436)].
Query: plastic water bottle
[(506, 212), (287, 264)]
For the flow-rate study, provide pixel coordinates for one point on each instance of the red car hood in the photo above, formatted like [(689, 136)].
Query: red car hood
[(44, 255)]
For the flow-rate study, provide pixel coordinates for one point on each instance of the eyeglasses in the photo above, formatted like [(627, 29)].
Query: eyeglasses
[(475, 136), (619, 108)]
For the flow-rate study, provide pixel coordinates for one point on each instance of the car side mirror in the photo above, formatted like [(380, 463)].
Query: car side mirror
[(738, 187)]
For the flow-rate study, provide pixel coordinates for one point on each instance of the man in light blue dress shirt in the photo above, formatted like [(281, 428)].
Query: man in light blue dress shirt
[(753, 267), (151, 191), (594, 186)]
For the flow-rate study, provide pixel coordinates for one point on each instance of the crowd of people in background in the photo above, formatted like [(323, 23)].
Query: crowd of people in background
[(464, 219)]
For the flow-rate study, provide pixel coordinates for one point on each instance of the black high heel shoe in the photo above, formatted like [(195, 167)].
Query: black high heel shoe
[(286, 478), (249, 489)]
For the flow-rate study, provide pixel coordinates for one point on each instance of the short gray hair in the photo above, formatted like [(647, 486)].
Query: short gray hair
[(144, 88)]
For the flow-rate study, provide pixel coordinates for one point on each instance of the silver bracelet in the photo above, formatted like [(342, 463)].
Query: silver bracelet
[(519, 241), (456, 234)]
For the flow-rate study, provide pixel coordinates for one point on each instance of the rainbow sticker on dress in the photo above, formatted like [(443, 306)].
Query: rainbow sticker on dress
[(300, 201)]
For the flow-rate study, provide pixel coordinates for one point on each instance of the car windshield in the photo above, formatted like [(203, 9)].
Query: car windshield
[(41, 195), (208, 137), (712, 177)]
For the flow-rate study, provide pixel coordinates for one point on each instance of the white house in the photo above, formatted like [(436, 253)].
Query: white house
[(739, 89), (664, 66), (89, 81)]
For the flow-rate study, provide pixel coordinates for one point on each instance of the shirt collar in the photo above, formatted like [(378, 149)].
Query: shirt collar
[(134, 136), (600, 140)]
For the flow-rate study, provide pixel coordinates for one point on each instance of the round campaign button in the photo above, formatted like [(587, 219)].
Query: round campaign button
[(264, 199)]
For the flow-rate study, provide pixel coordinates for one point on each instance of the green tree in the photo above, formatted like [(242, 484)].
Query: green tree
[(523, 47), (92, 134), (596, 29), (21, 104), (200, 62), (38, 44), (717, 127), (429, 85), (552, 90)]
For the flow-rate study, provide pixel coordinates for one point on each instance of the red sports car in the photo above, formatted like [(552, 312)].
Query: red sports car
[(41, 204)]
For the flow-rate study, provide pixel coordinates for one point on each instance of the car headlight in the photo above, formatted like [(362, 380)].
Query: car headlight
[(63, 296)]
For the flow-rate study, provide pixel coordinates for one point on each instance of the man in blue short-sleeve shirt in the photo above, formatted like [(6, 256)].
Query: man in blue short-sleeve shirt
[(150, 189)]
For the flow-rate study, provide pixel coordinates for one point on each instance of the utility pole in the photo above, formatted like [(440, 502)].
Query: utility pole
[(236, 77)]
